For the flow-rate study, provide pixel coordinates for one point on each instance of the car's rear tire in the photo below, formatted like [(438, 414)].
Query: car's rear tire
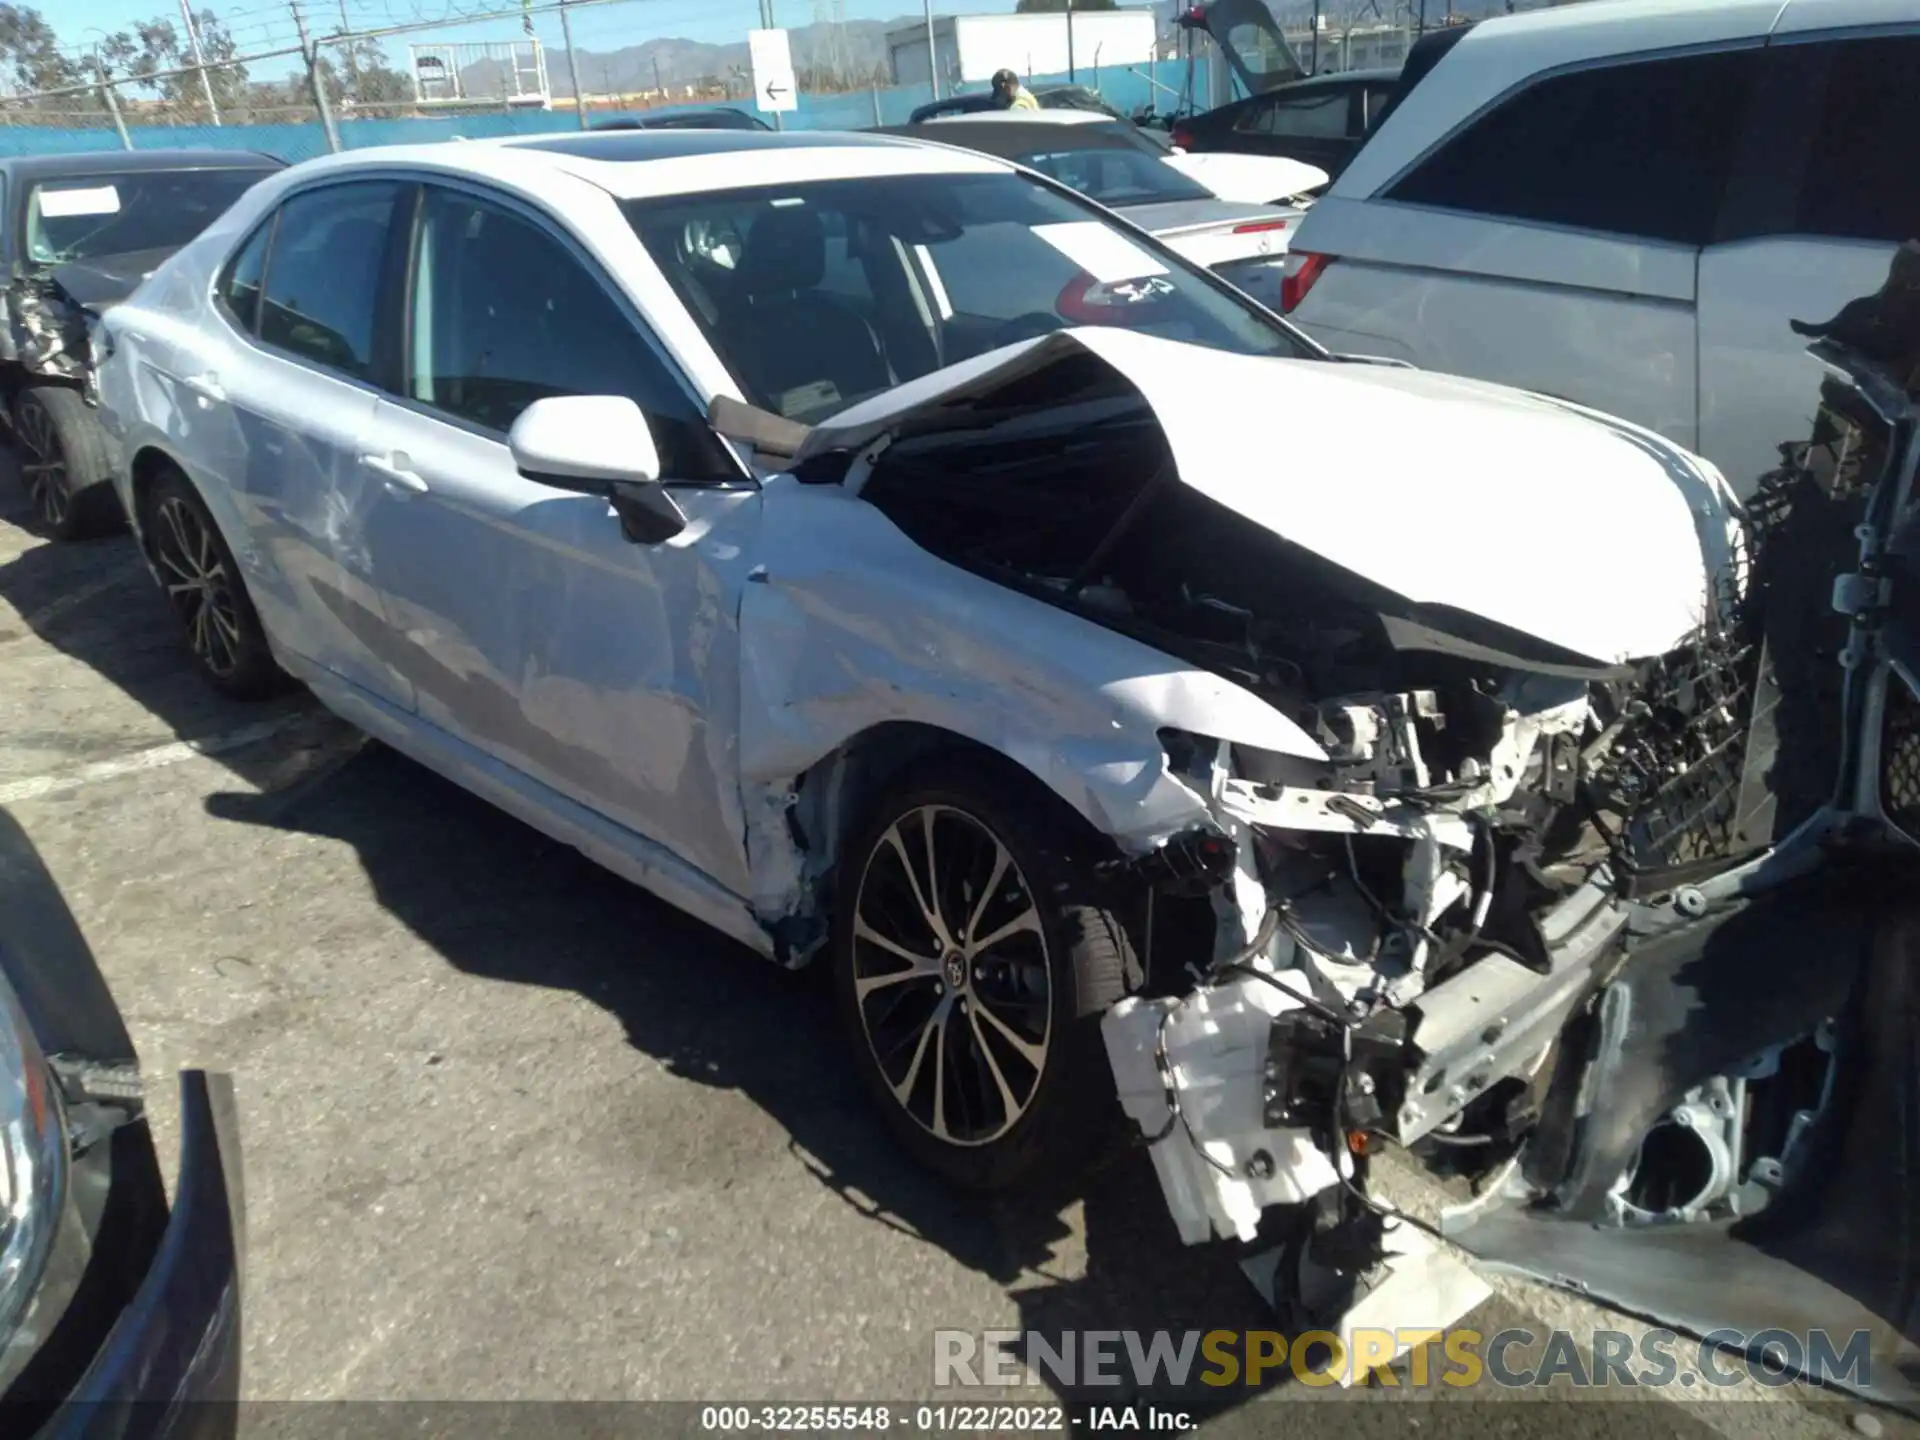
[(205, 591), (64, 463), (980, 892)]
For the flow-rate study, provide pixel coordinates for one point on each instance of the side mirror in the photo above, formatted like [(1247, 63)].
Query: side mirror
[(598, 445)]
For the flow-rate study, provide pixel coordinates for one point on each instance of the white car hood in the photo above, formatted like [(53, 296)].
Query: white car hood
[(1501, 504)]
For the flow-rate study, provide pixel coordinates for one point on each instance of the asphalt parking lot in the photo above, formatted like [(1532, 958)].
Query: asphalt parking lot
[(514, 1130)]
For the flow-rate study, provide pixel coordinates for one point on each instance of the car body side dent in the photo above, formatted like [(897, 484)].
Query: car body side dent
[(849, 626)]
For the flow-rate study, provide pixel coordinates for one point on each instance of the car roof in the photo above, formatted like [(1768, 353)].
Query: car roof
[(1023, 117), (636, 164), (122, 162), (1010, 139), (1386, 74), (668, 117)]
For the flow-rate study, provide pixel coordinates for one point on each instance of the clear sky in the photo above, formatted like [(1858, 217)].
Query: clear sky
[(259, 25)]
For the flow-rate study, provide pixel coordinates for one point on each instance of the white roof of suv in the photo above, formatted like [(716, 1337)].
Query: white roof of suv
[(1498, 54)]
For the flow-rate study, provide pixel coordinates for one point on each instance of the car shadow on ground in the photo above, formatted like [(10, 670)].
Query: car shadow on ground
[(94, 601), (501, 902)]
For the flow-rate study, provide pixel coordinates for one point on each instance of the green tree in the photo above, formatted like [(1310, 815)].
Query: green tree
[(356, 74), (147, 52), (30, 57)]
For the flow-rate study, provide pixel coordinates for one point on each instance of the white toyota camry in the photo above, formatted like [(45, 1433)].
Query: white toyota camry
[(891, 557)]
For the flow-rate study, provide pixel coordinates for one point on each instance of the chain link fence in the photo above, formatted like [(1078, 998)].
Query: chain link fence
[(342, 91)]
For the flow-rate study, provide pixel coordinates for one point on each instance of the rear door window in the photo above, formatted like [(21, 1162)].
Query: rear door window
[(1641, 149), (1862, 180), (322, 286)]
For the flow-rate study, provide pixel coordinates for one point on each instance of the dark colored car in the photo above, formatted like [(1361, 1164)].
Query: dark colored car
[(716, 117), (117, 1318), (78, 233), (1051, 97), (1322, 121)]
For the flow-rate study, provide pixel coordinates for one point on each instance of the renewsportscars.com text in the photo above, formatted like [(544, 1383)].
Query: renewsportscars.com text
[(1462, 1358)]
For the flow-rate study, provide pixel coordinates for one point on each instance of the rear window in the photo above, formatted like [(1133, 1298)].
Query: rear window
[(87, 217), (1642, 149), (1116, 177)]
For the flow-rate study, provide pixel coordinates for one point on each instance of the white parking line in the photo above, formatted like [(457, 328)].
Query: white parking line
[(153, 758)]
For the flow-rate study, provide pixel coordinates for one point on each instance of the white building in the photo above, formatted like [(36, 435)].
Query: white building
[(972, 47)]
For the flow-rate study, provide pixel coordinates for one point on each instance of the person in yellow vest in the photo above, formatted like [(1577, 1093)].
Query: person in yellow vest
[(1010, 94)]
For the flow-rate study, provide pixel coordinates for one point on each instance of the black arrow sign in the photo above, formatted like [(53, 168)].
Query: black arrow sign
[(774, 92)]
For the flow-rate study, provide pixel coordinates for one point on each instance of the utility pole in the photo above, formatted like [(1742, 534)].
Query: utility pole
[(573, 66), (1313, 62), (193, 42), (112, 101), (933, 51), (1071, 77), (346, 49), (316, 82)]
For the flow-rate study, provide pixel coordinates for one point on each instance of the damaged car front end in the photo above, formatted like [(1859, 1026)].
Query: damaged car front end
[(78, 235), (1542, 881)]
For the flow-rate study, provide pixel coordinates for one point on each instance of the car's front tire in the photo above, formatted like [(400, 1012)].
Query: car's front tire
[(206, 593), (64, 463), (975, 948)]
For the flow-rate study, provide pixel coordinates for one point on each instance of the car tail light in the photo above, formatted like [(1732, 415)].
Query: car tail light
[(1253, 226), (1299, 279), (1183, 137)]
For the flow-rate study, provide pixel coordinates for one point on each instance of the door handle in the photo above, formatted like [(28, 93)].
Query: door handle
[(207, 387), (393, 469)]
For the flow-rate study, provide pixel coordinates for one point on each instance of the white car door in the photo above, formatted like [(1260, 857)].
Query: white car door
[(1550, 243), (1828, 192), (288, 395), (530, 627)]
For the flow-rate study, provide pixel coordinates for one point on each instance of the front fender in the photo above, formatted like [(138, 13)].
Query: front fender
[(848, 624)]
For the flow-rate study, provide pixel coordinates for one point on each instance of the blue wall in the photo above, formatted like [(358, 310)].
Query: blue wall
[(1123, 89)]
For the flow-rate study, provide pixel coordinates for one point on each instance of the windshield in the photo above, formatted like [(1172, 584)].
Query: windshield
[(85, 217), (1116, 177), (821, 294)]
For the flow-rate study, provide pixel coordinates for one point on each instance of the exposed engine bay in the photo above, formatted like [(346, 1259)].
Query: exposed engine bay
[(1417, 941)]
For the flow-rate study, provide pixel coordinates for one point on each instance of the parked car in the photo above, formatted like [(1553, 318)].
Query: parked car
[(1109, 161), (112, 1306), (1050, 97), (1323, 121), (1623, 204), (883, 554), (77, 234), (715, 117)]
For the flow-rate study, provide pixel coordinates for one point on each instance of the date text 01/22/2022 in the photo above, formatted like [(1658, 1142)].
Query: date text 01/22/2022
[(932, 1419)]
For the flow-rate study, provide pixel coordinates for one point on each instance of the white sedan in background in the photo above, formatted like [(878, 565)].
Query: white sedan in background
[(877, 551)]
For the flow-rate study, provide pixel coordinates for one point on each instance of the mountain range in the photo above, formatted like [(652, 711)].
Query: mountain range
[(855, 50)]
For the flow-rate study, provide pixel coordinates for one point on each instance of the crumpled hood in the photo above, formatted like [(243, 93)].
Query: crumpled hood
[(1504, 505), (106, 280)]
